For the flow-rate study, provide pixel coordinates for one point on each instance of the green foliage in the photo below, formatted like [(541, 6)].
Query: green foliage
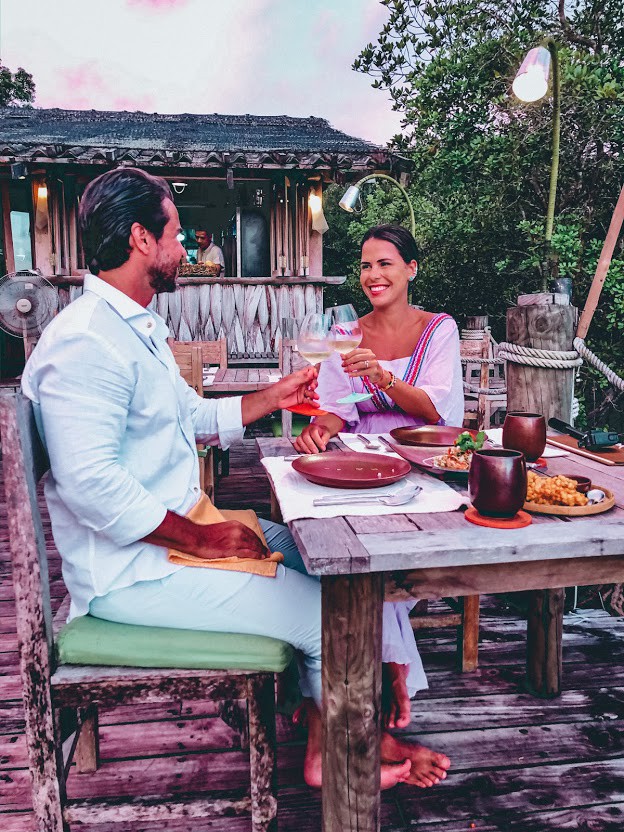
[(482, 159), (16, 87)]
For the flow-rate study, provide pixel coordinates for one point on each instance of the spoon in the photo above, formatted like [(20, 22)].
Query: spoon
[(398, 499), (371, 446), (595, 495)]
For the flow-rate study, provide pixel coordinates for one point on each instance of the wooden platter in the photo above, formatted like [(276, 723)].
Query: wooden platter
[(575, 511)]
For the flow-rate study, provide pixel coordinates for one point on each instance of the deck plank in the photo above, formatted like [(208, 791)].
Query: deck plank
[(519, 762)]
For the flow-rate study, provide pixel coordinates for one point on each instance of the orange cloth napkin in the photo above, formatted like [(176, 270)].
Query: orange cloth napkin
[(204, 513)]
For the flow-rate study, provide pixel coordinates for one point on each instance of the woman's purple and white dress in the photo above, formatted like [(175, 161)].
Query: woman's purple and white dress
[(434, 367)]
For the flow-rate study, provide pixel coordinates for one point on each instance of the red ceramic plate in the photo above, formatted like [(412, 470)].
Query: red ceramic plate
[(350, 469), (422, 458), (307, 410), (431, 435)]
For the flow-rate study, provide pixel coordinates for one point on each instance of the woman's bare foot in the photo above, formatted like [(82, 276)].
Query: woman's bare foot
[(428, 766), (397, 710), (392, 772)]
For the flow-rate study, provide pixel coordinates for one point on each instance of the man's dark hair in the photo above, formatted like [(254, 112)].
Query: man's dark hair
[(109, 207), (203, 227), (399, 237)]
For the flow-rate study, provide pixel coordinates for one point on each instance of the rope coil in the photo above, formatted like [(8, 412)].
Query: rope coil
[(550, 359)]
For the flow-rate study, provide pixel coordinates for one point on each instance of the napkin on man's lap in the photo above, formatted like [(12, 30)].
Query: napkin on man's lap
[(204, 513)]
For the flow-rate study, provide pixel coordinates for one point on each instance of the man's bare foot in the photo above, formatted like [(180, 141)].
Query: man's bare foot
[(392, 772), (428, 766), (397, 709)]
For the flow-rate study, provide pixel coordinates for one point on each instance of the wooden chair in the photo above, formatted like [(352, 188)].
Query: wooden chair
[(61, 700), (289, 361), (211, 353), (482, 407), (189, 362)]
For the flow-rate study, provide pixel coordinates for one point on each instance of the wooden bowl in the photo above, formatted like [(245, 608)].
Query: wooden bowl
[(583, 484)]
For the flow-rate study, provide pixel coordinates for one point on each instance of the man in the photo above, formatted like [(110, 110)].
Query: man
[(207, 249), (120, 427)]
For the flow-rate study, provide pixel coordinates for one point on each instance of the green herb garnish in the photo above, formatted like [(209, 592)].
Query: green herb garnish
[(465, 442)]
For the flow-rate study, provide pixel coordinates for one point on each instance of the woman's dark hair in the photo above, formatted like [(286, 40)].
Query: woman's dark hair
[(109, 207), (399, 237)]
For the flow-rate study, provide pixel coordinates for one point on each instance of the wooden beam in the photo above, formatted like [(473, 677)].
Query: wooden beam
[(9, 255)]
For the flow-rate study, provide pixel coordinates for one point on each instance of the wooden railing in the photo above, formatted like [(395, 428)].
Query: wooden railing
[(247, 312)]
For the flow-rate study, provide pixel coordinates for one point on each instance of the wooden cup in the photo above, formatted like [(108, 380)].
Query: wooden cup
[(525, 432), (497, 482)]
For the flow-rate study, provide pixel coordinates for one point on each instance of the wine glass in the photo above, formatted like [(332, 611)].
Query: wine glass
[(346, 335), (346, 332), (313, 340)]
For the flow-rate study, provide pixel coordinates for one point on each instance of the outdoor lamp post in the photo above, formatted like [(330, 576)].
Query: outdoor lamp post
[(352, 195), (531, 84)]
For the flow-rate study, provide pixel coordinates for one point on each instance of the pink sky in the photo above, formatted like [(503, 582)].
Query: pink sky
[(205, 56)]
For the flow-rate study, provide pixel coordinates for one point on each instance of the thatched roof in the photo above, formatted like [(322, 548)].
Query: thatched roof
[(187, 140)]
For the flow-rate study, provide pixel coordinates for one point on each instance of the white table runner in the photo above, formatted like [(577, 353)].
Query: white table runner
[(295, 495)]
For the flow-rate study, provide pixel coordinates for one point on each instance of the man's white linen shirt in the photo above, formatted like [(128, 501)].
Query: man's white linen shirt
[(120, 426)]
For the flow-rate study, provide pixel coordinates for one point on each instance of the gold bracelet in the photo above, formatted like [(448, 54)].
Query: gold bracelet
[(391, 383)]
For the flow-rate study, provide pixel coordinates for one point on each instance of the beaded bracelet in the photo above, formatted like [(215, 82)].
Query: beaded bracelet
[(391, 383)]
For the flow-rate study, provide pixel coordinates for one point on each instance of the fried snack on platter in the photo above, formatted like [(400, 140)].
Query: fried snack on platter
[(453, 459), (206, 268), (553, 491)]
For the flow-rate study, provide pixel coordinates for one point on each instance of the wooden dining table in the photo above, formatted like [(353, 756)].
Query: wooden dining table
[(237, 381), (362, 560)]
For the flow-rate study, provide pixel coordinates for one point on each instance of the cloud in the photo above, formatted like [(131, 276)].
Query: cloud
[(268, 57), (159, 5)]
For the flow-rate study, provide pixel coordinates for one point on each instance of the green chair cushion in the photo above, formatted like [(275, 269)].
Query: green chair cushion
[(90, 640), (298, 424)]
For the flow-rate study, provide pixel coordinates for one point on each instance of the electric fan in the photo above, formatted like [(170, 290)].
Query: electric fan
[(28, 302)]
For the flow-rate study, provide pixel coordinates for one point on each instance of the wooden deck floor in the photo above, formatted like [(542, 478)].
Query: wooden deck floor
[(518, 763)]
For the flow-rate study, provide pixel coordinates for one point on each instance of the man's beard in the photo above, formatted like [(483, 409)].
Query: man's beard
[(163, 278)]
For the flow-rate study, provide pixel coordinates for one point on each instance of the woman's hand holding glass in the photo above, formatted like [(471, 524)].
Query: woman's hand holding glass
[(361, 362)]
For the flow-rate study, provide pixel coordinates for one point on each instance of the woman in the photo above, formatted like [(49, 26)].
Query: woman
[(409, 360)]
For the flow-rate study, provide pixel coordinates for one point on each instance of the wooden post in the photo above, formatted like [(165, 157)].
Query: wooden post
[(539, 389), (9, 256), (352, 617), (544, 642)]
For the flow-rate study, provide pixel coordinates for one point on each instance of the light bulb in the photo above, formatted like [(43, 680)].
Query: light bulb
[(531, 81), (349, 198)]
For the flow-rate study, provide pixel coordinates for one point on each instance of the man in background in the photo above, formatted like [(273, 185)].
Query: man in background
[(207, 250)]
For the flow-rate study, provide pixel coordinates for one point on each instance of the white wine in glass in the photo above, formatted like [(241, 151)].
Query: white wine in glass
[(346, 332), (313, 340), (346, 335)]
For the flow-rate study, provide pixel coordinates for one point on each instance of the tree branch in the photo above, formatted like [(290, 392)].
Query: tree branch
[(570, 34)]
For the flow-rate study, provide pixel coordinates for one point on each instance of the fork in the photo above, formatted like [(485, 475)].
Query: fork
[(371, 446), (398, 499)]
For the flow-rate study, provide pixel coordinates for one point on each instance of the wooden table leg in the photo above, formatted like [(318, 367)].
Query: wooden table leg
[(276, 512), (544, 642), (352, 618), (468, 635)]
